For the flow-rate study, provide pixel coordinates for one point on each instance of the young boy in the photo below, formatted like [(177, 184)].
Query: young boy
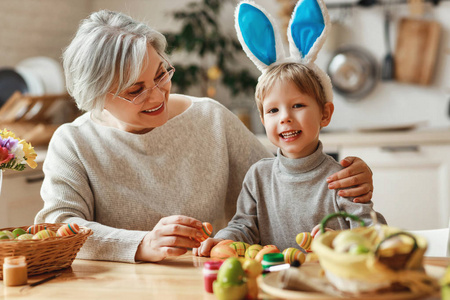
[(288, 194)]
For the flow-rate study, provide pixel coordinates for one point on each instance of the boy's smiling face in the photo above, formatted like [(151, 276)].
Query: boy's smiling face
[(293, 119)]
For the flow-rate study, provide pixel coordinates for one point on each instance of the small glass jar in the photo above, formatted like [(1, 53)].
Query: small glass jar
[(15, 271), (210, 270)]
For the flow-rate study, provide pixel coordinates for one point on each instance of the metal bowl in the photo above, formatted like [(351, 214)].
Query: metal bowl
[(353, 72)]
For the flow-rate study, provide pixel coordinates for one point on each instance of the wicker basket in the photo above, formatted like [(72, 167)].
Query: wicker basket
[(47, 255)]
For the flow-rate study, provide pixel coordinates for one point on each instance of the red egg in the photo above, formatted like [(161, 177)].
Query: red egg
[(33, 229)]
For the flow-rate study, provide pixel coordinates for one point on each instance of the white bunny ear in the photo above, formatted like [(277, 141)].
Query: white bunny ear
[(307, 30), (258, 35)]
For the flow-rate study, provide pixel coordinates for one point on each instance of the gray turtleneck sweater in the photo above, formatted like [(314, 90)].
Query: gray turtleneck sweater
[(282, 197)]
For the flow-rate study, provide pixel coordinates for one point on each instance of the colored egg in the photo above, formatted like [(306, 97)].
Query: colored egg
[(223, 252), (293, 254), (18, 231), (68, 229), (265, 250), (9, 234), (225, 242), (252, 251), (239, 247), (304, 240), (33, 229), (43, 234), (3, 236), (25, 236), (207, 230)]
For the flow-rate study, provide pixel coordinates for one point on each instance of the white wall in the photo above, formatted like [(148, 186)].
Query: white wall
[(44, 27)]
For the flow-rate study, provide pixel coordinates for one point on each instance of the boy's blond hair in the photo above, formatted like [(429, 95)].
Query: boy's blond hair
[(303, 77)]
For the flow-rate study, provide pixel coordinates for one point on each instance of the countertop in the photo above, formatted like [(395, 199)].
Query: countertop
[(174, 278)]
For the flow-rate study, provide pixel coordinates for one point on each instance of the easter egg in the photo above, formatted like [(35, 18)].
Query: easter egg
[(9, 234), (252, 251), (25, 236), (225, 242), (304, 240), (33, 229), (252, 267), (68, 229), (239, 247), (3, 236), (207, 230), (223, 252), (18, 231), (265, 250), (293, 254), (43, 234)]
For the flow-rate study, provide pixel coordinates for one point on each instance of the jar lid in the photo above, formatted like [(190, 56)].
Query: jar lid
[(15, 260), (273, 258), (212, 264)]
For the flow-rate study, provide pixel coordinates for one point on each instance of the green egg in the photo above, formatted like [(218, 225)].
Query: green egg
[(3, 236), (231, 272), (18, 231), (8, 234)]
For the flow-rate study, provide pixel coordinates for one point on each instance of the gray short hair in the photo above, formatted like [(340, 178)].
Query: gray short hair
[(109, 50)]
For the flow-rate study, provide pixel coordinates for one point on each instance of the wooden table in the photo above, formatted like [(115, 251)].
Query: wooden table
[(173, 278)]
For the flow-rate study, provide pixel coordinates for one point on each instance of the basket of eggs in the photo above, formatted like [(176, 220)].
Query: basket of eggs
[(47, 247), (373, 259)]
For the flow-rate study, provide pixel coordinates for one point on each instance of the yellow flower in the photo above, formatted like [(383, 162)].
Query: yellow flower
[(5, 133), (214, 73), (30, 154)]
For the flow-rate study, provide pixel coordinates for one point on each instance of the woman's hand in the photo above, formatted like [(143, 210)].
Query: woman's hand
[(170, 237), (205, 247), (355, 179)]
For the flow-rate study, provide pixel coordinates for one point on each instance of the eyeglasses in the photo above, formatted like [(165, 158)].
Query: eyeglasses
[(145, 94)]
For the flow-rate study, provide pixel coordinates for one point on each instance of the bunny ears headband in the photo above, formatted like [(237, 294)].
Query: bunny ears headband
[(307, 31)]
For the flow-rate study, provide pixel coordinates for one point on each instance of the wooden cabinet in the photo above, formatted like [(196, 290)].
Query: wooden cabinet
[(412, 183), (20, 198)]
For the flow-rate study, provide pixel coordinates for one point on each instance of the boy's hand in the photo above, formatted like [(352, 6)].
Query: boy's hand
[(315, 232), (205, 247)]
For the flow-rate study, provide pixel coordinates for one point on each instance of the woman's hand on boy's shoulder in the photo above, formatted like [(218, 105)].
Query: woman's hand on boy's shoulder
[(355, 180), (205, 247)]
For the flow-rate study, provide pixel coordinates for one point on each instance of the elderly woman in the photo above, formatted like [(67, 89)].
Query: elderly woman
[(143, 167)]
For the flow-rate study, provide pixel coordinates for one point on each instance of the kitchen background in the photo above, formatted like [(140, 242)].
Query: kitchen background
[(30, 28)]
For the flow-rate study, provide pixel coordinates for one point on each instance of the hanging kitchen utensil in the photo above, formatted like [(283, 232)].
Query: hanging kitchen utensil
[(416, 50), (353, 72), (387, 67)]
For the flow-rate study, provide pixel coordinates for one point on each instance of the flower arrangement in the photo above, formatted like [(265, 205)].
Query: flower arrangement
[(15, 153)]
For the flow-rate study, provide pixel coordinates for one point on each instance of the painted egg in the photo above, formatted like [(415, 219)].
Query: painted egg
[(33, 229), (225, 242), (25, 236), (207, 230), (68, 229), (223, 252), (293, 254), (304, 240), (265, 250), (252, 251), (3, 236), (18, 231), (43, 234), (239, 247), (9, 234)]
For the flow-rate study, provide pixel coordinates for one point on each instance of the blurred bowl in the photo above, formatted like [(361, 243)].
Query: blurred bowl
[(353, 72), (10, 82), (48, 71)]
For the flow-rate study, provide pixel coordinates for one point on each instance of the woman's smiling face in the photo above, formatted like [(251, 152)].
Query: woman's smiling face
[(150, 113)]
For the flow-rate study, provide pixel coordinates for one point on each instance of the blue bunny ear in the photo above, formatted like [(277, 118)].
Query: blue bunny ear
[(307, 29), (259, 38)]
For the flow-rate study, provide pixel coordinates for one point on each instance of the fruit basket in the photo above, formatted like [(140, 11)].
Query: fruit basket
[(46, 255)]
